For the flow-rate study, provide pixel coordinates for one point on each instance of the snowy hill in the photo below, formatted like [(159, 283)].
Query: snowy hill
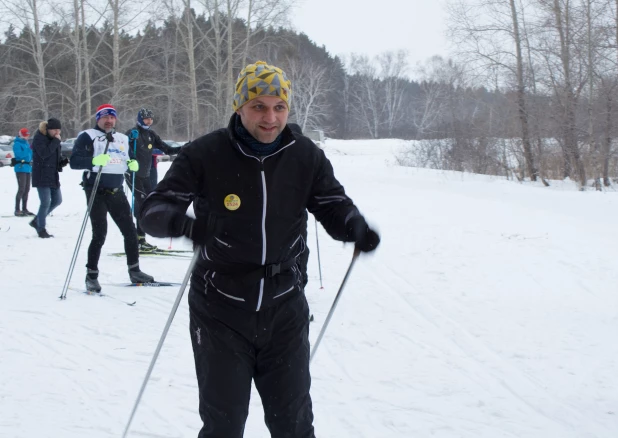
[(490, 310)]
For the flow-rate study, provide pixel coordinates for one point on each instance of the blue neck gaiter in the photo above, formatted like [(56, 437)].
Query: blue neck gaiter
[(140, 122), (258, 148)]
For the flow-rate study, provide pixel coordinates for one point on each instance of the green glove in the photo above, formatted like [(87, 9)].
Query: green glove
[(133, 165), (101, 160)]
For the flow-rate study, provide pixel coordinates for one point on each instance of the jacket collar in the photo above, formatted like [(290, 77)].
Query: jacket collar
[(287, 139)]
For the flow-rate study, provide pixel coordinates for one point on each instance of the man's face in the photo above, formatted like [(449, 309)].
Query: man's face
[(264, 117), (53, 132), (107, 123), (148, 121)]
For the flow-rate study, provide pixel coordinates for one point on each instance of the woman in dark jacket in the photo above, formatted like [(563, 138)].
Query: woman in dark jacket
[(47, 162)]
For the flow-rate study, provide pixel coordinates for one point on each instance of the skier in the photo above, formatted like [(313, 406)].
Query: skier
[(46, 165), (89, 154), (250, 184), (23, 171), (142, 142)]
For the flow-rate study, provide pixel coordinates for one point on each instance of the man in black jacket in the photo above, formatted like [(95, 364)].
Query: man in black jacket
[(250, 185), (46, 163), (142, 141)]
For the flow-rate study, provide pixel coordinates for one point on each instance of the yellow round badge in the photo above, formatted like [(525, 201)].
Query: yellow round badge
[(232, 202), (149, 146)]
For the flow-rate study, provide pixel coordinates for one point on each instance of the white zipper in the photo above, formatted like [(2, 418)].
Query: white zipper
[(261, 160), (259, 304)]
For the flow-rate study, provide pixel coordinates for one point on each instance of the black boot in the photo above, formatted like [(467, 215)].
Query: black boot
[(138, 276), (43, 234), (92, 282), (32, 223), (27, 213)]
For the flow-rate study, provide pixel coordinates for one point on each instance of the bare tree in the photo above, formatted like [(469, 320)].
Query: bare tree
[(364, 93), (488, 36), (393, 67), (310, 87), (28, 13)]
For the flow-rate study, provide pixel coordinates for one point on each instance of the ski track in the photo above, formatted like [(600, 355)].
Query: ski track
[(489, 311)]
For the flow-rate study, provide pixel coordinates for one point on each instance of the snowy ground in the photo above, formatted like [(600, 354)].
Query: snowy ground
[(490, 310)]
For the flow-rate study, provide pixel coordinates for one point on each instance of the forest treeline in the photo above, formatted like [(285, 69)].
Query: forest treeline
[(529, 92)]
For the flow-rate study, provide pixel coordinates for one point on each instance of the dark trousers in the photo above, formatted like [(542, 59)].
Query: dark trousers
[(50, 198), (154, 177), (115, 203), (232, 347), (23, 188), (142, 189)]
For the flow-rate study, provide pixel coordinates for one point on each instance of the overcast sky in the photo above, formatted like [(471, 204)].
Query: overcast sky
[(372, 27)]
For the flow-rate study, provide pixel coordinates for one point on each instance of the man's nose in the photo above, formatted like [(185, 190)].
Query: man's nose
[(269, 115)]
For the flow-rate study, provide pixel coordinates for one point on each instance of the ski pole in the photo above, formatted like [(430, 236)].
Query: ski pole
[(63, 295), (196, 255), (317, 243), (332, 309)]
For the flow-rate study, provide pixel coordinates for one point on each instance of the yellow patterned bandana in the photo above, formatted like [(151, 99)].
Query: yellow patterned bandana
[(261, 79)]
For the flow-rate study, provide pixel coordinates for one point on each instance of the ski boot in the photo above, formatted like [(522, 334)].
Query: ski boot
[(26, 212), (92, 282), (145, 246), (138, 276)]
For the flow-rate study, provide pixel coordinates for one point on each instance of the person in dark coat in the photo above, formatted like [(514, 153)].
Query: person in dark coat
[(46, 164), (250, 185), (23, 171), (143, 141)]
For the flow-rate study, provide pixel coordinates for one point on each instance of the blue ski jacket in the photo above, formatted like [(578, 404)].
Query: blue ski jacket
[(23, 155)]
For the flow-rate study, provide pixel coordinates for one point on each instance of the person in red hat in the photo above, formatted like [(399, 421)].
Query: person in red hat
[(103, 148), (23, 171)]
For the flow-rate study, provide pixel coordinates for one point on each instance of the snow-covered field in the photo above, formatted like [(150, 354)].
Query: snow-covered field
[(490, 310)]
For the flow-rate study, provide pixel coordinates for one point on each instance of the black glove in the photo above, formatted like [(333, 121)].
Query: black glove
[(64, 162), (191, 228), (364, 238)]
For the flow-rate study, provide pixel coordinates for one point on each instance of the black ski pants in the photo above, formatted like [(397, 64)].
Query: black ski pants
[(114, 202), (142, 189), (23, 188), (233, 346)]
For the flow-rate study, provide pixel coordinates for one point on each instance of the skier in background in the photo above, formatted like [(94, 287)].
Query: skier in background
[(142, 142), (250, 185), (89, 154)]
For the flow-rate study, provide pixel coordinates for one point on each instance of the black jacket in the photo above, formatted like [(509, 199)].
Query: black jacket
[(142, 146), (45, 159), (268, 225)]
